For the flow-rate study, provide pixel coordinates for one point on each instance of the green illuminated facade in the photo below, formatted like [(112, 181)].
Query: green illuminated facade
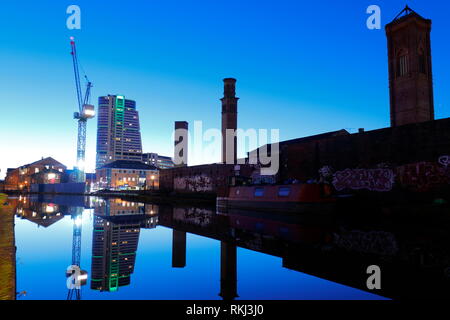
[(113, 254), (118, 130)]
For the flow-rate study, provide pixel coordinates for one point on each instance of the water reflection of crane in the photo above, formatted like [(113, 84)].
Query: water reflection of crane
[(76, 276)]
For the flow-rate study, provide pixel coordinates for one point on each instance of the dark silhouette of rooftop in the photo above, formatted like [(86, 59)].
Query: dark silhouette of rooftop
[(407, 12), (127, 164)]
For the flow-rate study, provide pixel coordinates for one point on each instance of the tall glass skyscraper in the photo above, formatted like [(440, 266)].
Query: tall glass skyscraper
[(118, 131)]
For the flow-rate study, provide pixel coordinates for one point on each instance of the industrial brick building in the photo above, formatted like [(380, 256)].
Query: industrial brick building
[(207, 178), (302, 159), (44, 171), (413, 153), (202, 179)]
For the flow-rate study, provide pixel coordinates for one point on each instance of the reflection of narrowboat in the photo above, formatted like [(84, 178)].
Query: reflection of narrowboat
[(302, 198)]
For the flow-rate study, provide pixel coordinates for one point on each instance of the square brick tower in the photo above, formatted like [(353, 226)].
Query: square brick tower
[(410, 72)]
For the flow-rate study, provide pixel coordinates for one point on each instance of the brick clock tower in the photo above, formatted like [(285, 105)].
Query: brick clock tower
[(410, 72)]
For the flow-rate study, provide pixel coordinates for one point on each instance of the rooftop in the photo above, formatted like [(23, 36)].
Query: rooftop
[(126, 164), (406, 13), (48, 159), (316, 137)]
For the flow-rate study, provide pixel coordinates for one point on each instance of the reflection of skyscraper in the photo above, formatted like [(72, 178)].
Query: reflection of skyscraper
[(113, 254), (118, 132), (115, 240)]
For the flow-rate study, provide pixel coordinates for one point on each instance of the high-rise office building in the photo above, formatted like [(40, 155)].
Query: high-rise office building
[(118, 131)]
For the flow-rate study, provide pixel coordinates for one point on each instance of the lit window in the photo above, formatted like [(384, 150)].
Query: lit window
[(259, 192), (284, 191)]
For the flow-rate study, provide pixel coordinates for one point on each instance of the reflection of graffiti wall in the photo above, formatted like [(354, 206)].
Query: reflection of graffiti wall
[(198, 183), (370, 179), (197, 216), (373, 242)]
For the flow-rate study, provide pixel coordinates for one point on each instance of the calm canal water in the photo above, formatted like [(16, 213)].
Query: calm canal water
[(142, 251)]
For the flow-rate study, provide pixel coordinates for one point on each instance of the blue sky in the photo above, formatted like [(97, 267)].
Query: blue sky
[(303, 67)]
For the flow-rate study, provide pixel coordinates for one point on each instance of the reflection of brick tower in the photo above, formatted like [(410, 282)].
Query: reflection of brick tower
[(229, 119), (228, 271), (178, 249), (410, 72)]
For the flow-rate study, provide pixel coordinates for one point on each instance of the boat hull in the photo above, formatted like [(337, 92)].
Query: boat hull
[(297, 207)]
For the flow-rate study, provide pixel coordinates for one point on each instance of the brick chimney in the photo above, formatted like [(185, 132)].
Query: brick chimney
[(181, 144), (229, 121)]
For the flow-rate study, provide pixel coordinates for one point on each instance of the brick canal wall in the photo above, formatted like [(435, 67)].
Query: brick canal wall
[(7, 252), (206, 179), (415, 156)]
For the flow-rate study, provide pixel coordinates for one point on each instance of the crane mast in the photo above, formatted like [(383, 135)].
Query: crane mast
[(85, 112)]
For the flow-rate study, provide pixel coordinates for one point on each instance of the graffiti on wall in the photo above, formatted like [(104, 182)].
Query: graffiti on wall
[(423, 176), (444, 161), (381, 180), (197, 183), (419, 177)]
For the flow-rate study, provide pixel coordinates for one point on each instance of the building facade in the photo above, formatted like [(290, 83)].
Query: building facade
[(203, 179), (358, 156), (118, 131), (44, 171), (127, 175), (154, 159), (415, 143)]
